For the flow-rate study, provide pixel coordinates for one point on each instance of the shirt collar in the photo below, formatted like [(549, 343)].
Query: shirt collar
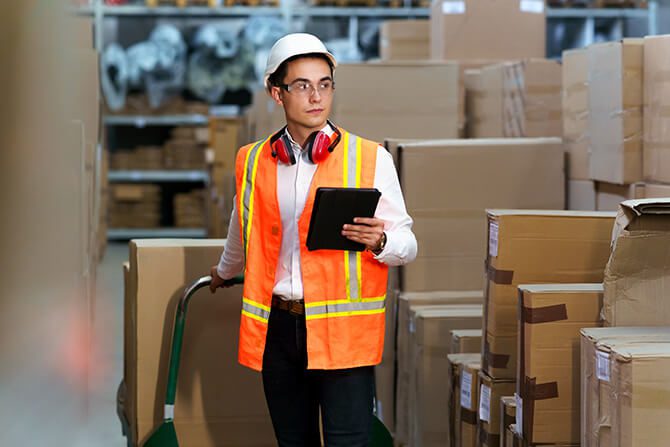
[(296, 147)]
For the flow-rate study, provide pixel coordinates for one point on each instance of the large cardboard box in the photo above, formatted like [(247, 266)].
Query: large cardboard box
[(637, 276), (615, 111), (576, 113), (656, 163), (482, 29), (466, 340), (407, 305), (610, 195), (218, 401), (378, 110), (507, 418), (581, 195), (656, 191), (596, 387), (517, 99), (534, 247), (469, 402), (428, 385), (471, 92), (548, 379), (447, 186), (488, 415), (404, 40), (455, 362)]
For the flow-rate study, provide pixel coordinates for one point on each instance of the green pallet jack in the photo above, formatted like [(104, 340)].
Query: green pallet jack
[(166, 435)]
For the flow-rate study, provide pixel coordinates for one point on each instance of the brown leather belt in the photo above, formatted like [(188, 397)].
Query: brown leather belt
[(294, 307)]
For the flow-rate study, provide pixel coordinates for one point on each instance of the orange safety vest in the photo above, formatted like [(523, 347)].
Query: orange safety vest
[(344, 291)]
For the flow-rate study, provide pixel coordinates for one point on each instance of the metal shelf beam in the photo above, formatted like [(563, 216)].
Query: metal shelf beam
[(598, 13), (156, 120), (158, 176), (144, 233)]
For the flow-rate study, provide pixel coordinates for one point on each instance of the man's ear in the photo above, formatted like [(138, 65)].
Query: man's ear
[(275, 92)]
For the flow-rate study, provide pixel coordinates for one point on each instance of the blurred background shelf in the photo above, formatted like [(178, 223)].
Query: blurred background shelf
[(142, 233), (156, 120), (158, 176)]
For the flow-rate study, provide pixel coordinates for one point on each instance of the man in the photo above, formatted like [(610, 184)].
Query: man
[(312, 321)]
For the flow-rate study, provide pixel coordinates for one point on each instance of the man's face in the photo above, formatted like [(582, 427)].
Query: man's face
[(309, 108)]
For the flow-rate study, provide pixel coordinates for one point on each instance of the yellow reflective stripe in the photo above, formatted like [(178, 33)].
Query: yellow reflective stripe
[(358, 162), (364, 300), (253, 188), (351, 313), (255, 304), (345, 161), (359, 271), (254, 317), (347, 278), (244, 188)]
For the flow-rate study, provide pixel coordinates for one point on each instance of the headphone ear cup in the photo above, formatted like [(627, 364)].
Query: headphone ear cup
[(283, 151), (320, 148)]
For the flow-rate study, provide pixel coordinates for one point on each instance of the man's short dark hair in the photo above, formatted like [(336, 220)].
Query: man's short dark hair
[(277, 78)]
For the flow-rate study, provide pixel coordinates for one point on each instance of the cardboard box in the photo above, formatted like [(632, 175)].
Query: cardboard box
[(581, 195), (409, 303), (488, 415), (469, 402), (548, 379), (518, 246), (656, 103), (656, 191), (472, 29), (615, 111), (637, 276), (517, 99), (378, 110), (455, 362), (471, 91), (209, 411), (511, 437), (507, 418), (576, 113), (447, 186), (404, 40), (466, 340), (609, 195), (428, 388), (596, 414)]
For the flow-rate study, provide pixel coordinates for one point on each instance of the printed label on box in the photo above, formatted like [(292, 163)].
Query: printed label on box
[(452, 7), (533, 6), (493, 239), (519, 414), (603, 366), (466, 390), (485, 403)]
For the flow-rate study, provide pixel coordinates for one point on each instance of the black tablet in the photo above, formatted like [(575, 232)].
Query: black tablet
[(334, 207)]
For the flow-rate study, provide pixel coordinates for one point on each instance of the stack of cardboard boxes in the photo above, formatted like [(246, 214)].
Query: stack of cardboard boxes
[(189, 209), (134, 205)]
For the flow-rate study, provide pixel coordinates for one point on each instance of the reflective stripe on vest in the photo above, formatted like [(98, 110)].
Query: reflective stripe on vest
[(255, 310), (344, 308), (247, 194), (352, 179)]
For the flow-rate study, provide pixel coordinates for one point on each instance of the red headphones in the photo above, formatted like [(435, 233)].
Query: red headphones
[(319, 145)]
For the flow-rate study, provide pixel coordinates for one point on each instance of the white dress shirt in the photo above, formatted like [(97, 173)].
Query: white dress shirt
[(293, 184)]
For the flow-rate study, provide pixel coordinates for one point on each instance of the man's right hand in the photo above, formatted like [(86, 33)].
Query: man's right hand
[(217, 281)]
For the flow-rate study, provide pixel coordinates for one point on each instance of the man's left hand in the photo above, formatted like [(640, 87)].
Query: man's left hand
[(366, 230)]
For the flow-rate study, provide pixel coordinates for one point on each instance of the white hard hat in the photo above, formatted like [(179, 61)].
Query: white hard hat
[(294, 45)]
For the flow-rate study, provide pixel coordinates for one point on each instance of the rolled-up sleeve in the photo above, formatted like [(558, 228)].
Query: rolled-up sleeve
[(401, 245)]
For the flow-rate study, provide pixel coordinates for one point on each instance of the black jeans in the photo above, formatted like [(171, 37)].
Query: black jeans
[(294, 394)]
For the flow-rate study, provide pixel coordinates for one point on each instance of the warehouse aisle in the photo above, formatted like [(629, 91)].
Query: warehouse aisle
[(103, 428)]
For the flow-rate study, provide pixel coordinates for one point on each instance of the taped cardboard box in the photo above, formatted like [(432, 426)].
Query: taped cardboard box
[(656, 164), (409, 303), (488, 415), (637, 277), (466, 340), (447, 186), (596, 411), (548, 383), (455, 362), (428, 385), (209, 411), (369, 103), (471, 30), (641, 381), (518, 244), (581, 195), (507, 418), (404, 40), (609, 195), (575, 97), (517, 99), (469, 373), (615, 111)]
